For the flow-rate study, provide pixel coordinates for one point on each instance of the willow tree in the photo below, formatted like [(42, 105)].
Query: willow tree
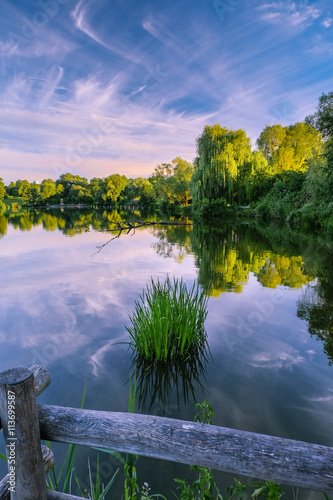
[(223, 157)]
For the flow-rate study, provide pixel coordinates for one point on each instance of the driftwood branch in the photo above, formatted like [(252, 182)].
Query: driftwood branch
[(254, 455), (132, 225)]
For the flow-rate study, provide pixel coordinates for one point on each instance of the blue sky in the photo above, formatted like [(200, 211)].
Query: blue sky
[(119, 86)]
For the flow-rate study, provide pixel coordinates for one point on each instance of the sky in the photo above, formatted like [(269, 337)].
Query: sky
[(119, 86)]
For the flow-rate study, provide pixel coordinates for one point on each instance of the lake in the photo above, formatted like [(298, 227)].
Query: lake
[(65, 300)]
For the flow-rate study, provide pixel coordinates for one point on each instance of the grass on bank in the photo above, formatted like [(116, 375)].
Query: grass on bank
[(168, 320)]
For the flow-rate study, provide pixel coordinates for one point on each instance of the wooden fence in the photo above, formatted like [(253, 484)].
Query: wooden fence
[(25, 423)]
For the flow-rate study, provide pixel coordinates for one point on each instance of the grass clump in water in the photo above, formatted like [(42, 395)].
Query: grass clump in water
[(168, 321)]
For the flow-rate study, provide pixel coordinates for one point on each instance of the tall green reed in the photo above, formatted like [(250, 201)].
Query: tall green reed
[(168, 320), (67, 468)]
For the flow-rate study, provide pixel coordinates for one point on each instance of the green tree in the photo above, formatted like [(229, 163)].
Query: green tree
[(23, 189), (180, 181), (112, 187), (223, 159), (142, 191), (322, 120), (48, 189), (2, 189), (271, 139), (260, 167), (79, 194), (68, 180), (34, 195), (171, 181), (159, 180), (11, 189), (290, 148), (306, 143), (2, 195), (95, 188)]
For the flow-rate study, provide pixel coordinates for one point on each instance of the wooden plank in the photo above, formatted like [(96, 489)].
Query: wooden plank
[(42, 380), (4, 492), (255, 455), (18, 411), (50, 495), (56, 495), (48, 459)]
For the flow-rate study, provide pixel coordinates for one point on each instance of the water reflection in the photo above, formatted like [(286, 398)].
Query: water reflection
[(160, 383), (174, 242), (316, 304), (225, 257), (69, 221), (3, 225), (316, 308), (65, 309)]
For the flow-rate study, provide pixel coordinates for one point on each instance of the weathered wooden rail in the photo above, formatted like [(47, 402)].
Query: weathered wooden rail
[(255, 455)]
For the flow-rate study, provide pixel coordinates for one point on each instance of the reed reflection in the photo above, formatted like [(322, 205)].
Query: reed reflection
[(160, 383)]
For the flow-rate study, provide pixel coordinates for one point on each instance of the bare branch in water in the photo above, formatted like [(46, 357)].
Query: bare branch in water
[(132, 225)]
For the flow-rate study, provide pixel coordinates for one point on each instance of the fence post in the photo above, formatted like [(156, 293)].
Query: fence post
[(18, 413)]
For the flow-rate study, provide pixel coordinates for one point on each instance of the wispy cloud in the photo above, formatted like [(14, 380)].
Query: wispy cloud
[(282, 360), (80, 15), (153, 77), (327, 23), (321, 48), (296, 15)]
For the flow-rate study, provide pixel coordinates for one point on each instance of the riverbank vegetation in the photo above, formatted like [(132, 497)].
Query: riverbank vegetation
[(288, 176)]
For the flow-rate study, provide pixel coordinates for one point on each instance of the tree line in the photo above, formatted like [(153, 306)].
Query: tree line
[(288, 176), (169, 184)]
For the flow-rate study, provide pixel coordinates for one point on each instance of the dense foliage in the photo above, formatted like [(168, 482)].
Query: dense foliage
[(228, 172), (288, 177), (2, 195), (168, 185)]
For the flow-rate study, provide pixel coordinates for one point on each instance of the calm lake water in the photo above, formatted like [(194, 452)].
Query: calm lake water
[(64, 304)]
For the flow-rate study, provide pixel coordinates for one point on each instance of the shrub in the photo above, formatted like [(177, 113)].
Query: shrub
[(263, 210), (168, 320)]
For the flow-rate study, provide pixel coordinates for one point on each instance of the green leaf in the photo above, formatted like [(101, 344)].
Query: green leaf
[(258, 492)]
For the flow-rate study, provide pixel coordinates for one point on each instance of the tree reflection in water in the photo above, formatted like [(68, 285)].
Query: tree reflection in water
[(225, 256), (316, 308)]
